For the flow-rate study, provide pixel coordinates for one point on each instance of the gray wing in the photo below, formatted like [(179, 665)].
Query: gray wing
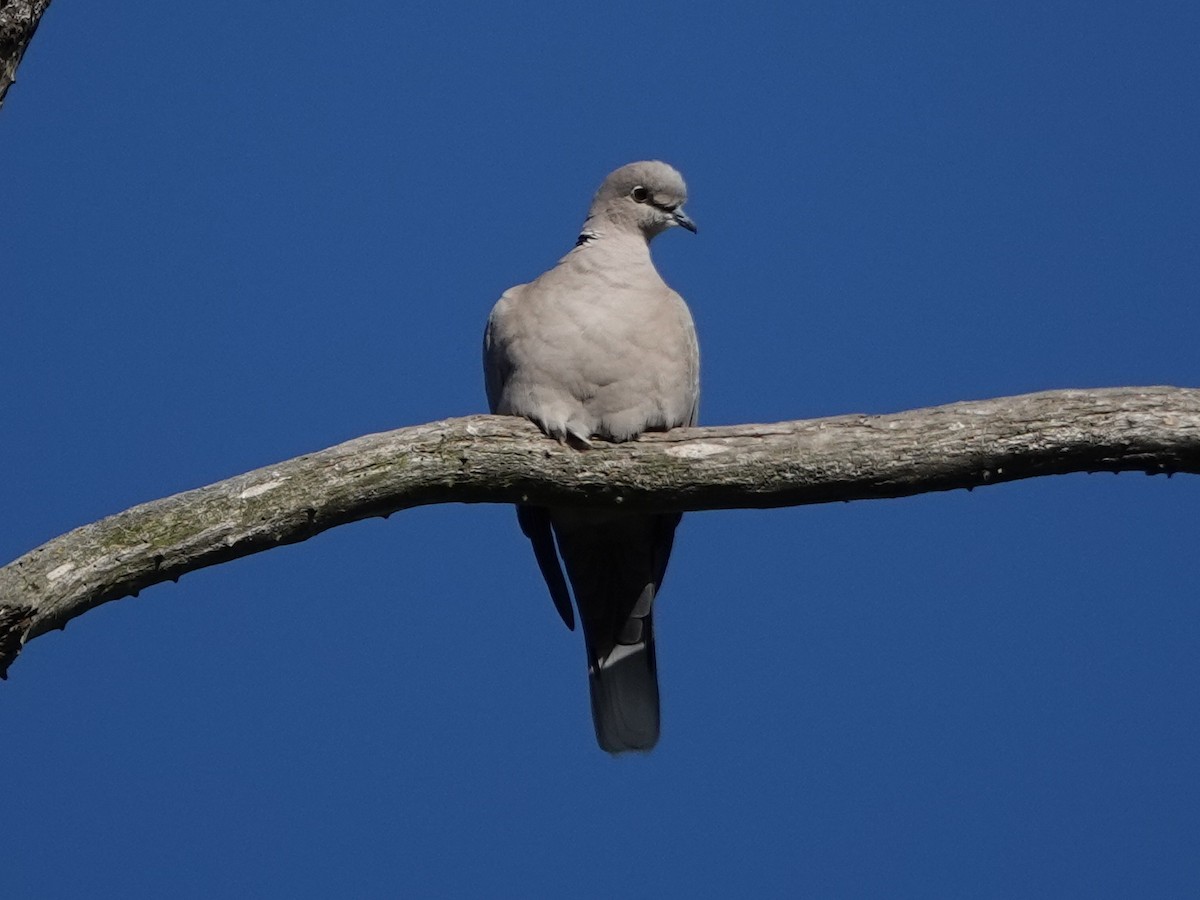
[(534, 521), (497, 367)]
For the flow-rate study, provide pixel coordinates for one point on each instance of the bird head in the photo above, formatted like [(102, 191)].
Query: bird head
[(645, 196)]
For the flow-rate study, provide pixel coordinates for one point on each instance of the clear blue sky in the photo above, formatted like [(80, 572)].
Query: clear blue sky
[(234, 233)]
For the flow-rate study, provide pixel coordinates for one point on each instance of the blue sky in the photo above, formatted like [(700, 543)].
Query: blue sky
[(235, 233)]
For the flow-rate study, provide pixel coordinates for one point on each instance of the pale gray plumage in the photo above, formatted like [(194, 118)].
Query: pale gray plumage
[(599, 346)]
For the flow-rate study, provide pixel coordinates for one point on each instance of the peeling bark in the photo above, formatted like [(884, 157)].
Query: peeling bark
[(495, 459)]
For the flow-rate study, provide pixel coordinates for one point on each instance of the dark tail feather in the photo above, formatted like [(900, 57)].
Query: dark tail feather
[(624, 688), (615, 564)]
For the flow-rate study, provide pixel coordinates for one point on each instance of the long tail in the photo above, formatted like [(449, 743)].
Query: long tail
[(615, 565), (624, 685)]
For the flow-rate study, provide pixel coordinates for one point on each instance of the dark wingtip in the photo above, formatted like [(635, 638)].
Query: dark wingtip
[(565, 610), (535, 523)]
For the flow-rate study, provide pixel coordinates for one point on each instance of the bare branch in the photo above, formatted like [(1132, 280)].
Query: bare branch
[(18, 22), (493, 459)]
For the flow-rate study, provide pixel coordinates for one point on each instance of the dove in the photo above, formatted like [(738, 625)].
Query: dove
[(600, 347)]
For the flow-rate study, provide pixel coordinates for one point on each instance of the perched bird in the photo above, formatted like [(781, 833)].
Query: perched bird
[(600, 347)]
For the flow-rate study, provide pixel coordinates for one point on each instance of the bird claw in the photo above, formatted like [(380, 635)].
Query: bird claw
[(564, 435), (578, 442)]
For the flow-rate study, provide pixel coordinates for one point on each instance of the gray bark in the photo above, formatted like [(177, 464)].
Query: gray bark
[(493, 459), (18, 22)]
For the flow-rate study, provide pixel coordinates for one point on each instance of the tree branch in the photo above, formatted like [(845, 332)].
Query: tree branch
[(493, 459), (18, 21)]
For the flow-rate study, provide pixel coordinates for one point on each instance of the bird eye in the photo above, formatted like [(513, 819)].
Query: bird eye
[(639, 194)]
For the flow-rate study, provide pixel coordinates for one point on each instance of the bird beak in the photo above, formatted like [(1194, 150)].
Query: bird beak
[(681, 218)]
